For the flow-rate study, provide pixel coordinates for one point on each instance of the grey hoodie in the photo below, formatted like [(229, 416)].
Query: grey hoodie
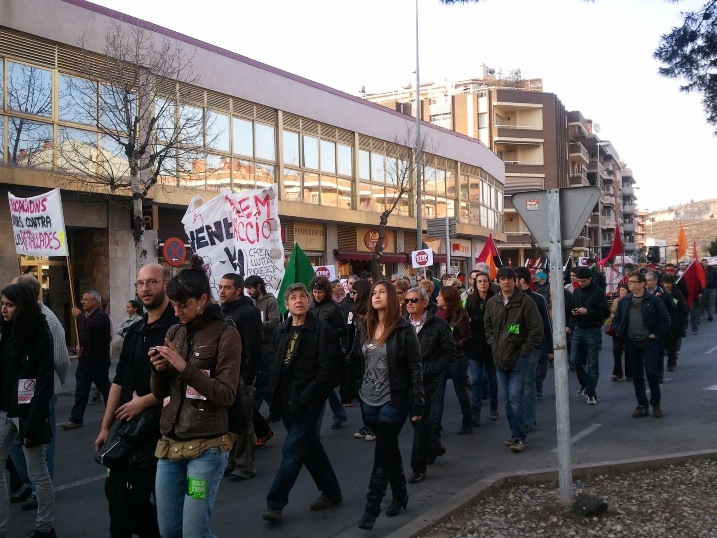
[(270, 316)]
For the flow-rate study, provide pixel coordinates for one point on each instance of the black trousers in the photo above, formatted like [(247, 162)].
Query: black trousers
[(129, 494)]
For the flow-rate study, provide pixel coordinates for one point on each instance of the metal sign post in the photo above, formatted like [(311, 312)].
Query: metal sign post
[(555, 218)]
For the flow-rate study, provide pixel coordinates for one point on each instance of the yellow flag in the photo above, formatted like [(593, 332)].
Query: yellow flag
[(492, 270), (681, 243)]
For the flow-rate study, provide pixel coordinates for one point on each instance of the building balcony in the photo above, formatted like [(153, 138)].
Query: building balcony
[(579, 153), (582, 242), (579, 179), (507, 134), (596, 221), (608, 199), (609, 222), (628, 227), (518, 239), (628, 209), (628, 191), (630, 247)]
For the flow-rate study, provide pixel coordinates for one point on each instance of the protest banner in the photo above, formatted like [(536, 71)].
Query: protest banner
[(38, 224), (328, 271), (238, 233)]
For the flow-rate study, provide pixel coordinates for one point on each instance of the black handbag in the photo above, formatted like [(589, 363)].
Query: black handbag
[(132, 442), (42, 436)]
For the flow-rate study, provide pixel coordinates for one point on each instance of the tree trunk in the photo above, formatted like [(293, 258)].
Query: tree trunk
[(138, 225), (378, 249)]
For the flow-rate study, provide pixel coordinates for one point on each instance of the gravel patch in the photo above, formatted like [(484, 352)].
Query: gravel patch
[(672, 501)]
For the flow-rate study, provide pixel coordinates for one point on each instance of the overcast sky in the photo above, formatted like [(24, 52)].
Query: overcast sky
[(597, 57)]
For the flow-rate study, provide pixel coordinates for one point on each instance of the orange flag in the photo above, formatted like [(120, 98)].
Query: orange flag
[(492, 269), (681, 243)]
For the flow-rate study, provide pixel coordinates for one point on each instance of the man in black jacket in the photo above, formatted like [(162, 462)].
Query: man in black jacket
[(240, 311), (589, 309), (129, 487), (438, 351), (303, 374)]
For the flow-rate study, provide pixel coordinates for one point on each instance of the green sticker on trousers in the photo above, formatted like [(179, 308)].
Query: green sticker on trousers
[(197, 488)]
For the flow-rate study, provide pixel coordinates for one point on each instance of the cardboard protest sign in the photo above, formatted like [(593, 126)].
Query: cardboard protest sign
[(38, 224)]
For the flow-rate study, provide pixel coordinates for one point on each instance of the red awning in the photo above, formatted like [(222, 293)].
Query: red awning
[(355, 255)]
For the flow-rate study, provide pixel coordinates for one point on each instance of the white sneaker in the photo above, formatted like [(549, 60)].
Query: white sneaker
[(592, 400)]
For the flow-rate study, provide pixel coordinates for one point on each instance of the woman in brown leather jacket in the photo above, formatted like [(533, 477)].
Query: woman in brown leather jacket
[(196, 374)]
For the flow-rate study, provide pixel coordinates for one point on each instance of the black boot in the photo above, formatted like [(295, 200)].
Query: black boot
[(400, 494), (376, 491)]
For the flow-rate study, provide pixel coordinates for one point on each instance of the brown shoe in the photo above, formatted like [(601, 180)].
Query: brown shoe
[(69, 425), (324, 502), (29, 504), (416, 478), (272, 515)]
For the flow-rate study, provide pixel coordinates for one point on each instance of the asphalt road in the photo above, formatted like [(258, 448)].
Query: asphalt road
[(599, 433)]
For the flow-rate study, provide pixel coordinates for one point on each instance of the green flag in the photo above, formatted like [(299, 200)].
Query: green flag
[(299, 270)]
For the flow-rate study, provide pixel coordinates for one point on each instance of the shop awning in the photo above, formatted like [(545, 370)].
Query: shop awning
[(357, 256)]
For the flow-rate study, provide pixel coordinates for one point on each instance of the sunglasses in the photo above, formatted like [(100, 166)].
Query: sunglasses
[(352, 292), (413, 300)]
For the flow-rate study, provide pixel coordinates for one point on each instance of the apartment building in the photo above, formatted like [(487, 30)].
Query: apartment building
[(332, 155), (543, 145)]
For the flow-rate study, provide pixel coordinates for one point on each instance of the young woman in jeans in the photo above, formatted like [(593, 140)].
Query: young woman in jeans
[(26, 387), (391, 390), (197, 375)]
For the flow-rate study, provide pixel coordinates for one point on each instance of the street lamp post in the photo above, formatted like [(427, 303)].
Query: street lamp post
[(419, 209)]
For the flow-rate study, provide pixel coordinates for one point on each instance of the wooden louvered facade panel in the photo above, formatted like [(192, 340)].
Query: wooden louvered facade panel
[(346, 236)]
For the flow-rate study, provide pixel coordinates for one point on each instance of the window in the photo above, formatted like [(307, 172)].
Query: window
[(217, 131), (344, 158), (345, 200), (291, 186), (77, 100), (311, 152), (2, 130), (115, 103), (265, 142), (77, 150), (165, 111), (242, 137), (31, 144), (291, 148), (29, 89), (328, 157), (218, 172), (265, 175), (2, 85), (191, 125), (329, 191), (378, 167), (364, 165), (311, 188), (483, 120), (113, 157)]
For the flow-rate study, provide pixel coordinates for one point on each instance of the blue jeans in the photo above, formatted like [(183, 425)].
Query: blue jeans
[(37, 472), (512, 381), (84, 377), (585, 357), (179, 513), (456, 372), (18, 458), (302, 447), (530, 393), (480, 370), (337, 408), (644, 359)]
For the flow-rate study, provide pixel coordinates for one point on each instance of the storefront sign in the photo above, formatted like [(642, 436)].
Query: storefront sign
[(367, 238), (310, 236), (461, 247)]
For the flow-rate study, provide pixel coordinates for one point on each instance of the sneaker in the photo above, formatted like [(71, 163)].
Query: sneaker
[(657, 412), (261, 441), (592, 400), (509, 442), (580, 392), (517, 446), (370, 436), (361, 434), (29, 504), (640, 412), (69, 425)]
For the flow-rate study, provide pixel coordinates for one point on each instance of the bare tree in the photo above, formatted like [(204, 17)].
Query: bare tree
[(401, 180), (149, 127)]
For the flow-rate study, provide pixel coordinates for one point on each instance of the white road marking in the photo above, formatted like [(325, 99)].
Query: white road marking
[(711, 350), (575, 438), (80, 482)]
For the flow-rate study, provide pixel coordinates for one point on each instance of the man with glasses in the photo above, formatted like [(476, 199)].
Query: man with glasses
[(94, 361), (438, 351), (651, 280), (513, 329), (589, 309), (639, 318)]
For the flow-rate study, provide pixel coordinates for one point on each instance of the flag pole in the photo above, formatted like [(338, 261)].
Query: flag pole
[(72, 297)]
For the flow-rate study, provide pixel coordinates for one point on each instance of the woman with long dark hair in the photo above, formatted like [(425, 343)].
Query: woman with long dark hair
[(198, 371), (26, 387), (618, 347), (361, 294), (480, 356), (391, 390), (451, 310)]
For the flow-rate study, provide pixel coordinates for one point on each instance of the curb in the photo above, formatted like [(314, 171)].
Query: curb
[(469, 495)]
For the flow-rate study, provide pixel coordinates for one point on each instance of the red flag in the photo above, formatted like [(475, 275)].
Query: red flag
[(489, 250), (696, 281), (694, 250), (617, 246)]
